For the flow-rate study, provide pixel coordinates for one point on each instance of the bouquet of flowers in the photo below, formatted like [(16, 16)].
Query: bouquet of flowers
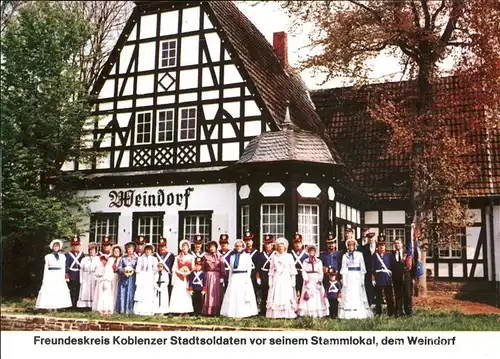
[(128, 270)]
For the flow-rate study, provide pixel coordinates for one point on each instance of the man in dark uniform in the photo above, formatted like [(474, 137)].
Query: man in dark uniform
[(363, 239), (252, 252), (105, 247), (198, 251), (401, 279), (331, 258), (167, 259), (263, 265), (299, 255), (368, 251), (73, 261), (139, 246), (382, 267), (226, 254)]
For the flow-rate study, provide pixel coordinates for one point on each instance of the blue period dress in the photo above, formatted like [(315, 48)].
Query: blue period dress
[(126, 285)]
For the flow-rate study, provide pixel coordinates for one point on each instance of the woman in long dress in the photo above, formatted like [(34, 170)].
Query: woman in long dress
[(103, 297), (354, 304), (180, 301), (239, 300), (54, 292), (126, 284), (113, 262), (281, 298), (215, 271), (88, 280), (313, 300), (161, 283), (145, 298)]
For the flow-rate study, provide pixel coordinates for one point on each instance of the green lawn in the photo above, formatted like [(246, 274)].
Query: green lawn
[(423, 320)]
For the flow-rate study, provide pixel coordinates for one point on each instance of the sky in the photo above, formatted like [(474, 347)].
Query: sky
[(270, 18)]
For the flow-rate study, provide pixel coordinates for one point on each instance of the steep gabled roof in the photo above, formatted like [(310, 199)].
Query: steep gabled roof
[(275, 84), (363, 141)]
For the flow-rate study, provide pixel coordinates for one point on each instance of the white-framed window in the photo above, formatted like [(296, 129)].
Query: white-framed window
[(453, 250), (392, 234), (330, 218), (169, 53), (245, 218), (187, 125), (309, 223), (348, 213), (143, 128), (148, 225), (103, 224), (343, 211), (165, 126), (337, 209), (272, 219), (353, 215), (194, 223)]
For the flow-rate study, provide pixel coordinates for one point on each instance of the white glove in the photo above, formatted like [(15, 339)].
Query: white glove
[(259, 282), (222, 281), (374, 283)]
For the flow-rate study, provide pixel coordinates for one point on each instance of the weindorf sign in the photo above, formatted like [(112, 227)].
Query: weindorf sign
[(138, 198)]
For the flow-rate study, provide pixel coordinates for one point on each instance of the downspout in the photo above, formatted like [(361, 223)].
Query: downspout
[(490, 173)]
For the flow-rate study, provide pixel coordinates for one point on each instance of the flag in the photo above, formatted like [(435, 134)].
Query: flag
[(414, 248)]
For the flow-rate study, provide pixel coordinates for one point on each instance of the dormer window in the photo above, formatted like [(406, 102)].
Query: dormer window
[(169, 53)]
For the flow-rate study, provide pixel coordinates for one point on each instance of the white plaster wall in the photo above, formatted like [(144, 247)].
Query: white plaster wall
[(203, 197), (393, 217), (371, 217)]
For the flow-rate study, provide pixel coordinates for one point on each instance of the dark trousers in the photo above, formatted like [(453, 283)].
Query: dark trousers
[(334, 307), (403, 294), (387, 290), (370, 292), (264, 291), (74, 291), (197, 302), (299, 282)]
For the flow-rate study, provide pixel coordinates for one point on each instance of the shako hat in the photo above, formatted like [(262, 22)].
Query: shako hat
[(331, 239), (223, 238), (75, 241), (162, 242), (268, 239), (140, 241), (247, 236), (198, 239), (106, 241)]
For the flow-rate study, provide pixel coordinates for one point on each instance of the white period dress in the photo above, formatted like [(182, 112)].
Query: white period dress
[(54, 292), (281, 298), (313, 301), (181, 300), (104, 299), (239, 299), (116, 277), (145, 296), (354, 304), (88, 281), (161, 282)]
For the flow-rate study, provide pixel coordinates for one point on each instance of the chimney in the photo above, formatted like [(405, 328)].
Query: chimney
[(280, 45)]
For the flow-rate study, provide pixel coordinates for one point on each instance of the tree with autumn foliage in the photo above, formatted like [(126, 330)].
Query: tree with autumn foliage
[(422, 34)]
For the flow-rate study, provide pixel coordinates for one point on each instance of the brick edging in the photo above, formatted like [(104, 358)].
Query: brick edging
[(12, 322)]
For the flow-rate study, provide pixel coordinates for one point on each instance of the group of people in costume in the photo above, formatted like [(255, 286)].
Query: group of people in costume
[(278, 282)]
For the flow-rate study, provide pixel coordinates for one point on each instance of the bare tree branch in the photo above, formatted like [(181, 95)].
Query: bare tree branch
[(427, 15), (455, 13), (414, 10), (435, 15), (363, 6)]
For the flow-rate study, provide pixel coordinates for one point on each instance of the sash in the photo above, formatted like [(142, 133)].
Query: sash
[(196, 255), (297, 260), (384, 268), (251, 256), (226, 261), (75, 261), (167, 256), (197, 280), (268, 258), (333, 288)]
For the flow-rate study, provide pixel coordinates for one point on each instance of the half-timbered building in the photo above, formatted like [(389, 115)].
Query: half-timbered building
[(202, 127)]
